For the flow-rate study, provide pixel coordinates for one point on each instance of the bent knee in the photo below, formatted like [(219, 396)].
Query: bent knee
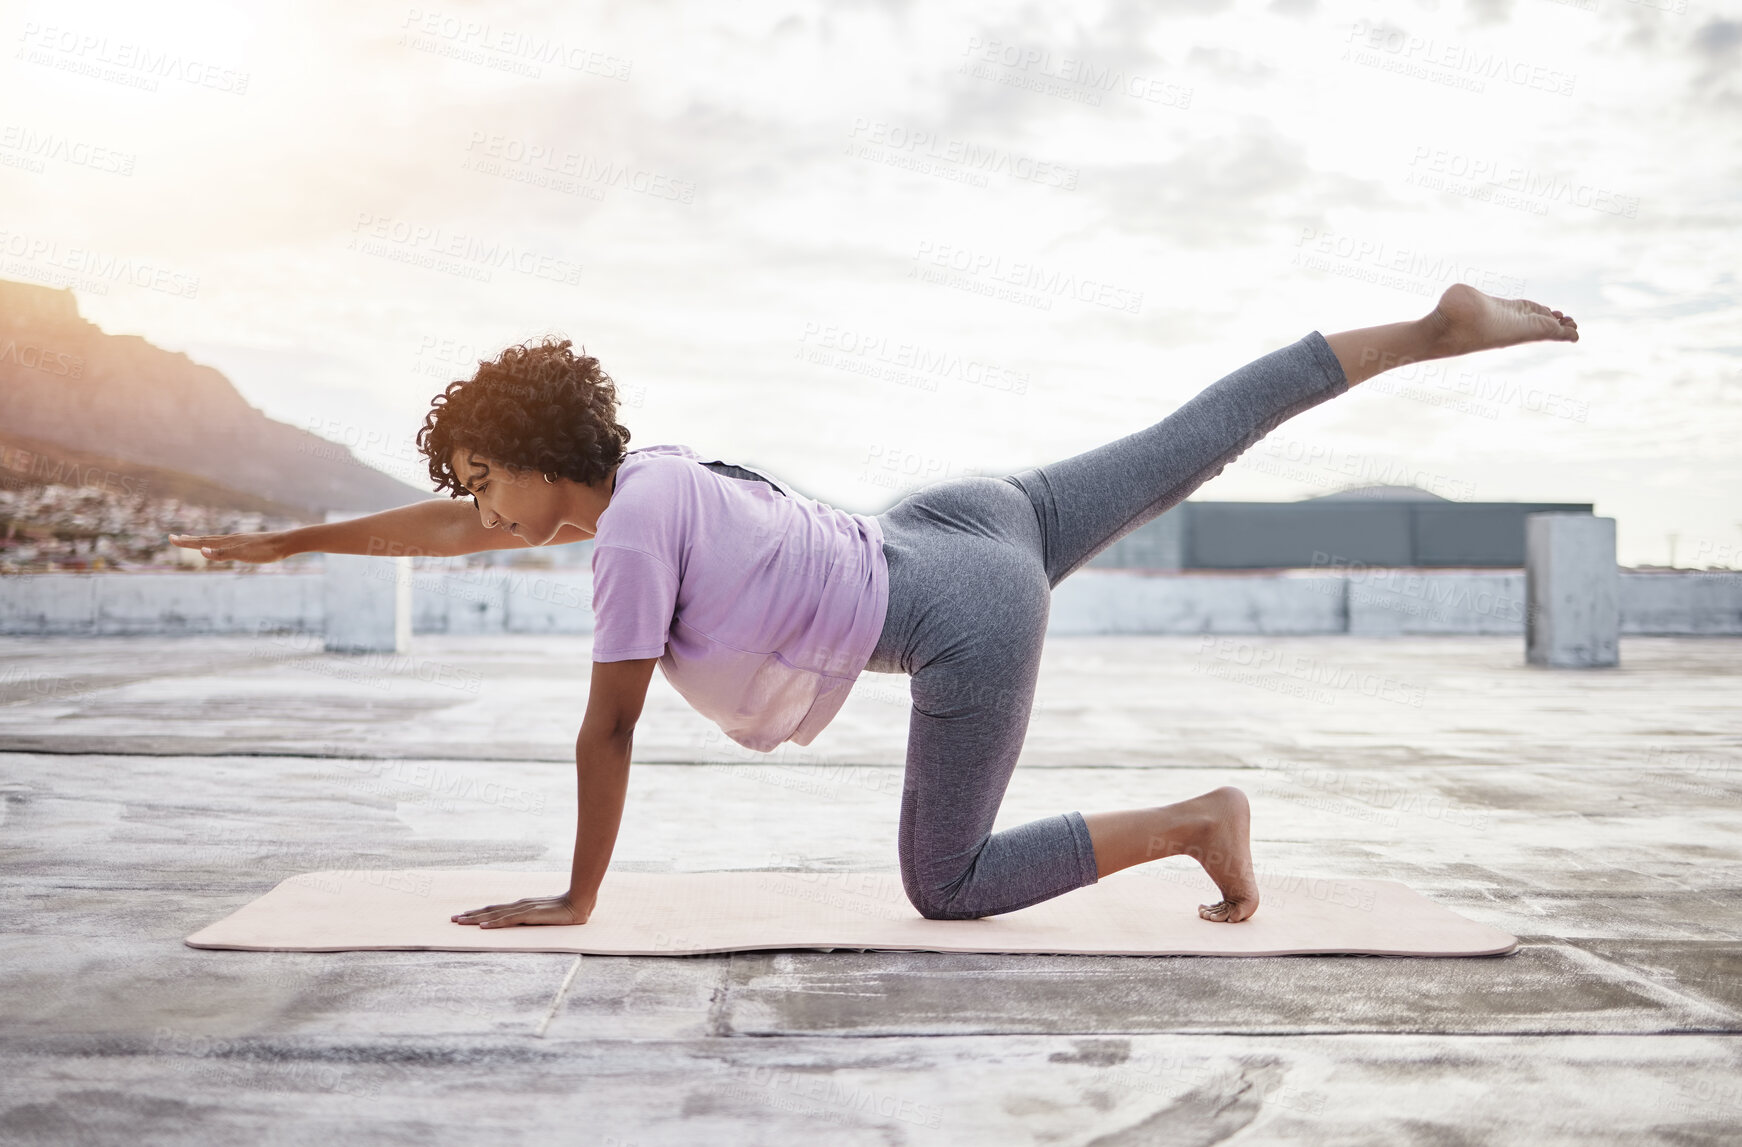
[(940, 910), (939, 904)]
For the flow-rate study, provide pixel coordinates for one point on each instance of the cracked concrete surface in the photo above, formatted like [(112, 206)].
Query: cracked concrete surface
[(150, 786)]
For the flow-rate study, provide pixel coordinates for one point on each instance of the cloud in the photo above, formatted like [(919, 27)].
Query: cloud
[(1490, 11), (1225, 190), (1717, 45)]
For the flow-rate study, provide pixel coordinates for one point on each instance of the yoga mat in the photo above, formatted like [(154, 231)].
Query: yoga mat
[(1130, 913)]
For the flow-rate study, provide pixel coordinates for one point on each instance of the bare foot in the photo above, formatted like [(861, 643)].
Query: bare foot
[(1467, 320), (1224, 848)]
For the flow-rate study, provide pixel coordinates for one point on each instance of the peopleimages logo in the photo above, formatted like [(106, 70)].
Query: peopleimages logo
[(90, 269), (905, 146), (135, 65), (1424, 57), (41, 468), (34, 357), (1036, 284), (454, 252), (504, 49), (1032, 67), (37, 146), (910, 363), (517, 159)]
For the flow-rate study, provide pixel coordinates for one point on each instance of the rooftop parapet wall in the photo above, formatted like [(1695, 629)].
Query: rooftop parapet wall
[(1091, 601)]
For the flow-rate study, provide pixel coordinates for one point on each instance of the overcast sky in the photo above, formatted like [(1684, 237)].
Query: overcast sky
[(869, 246)]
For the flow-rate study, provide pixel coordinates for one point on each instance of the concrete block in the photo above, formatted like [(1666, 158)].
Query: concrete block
[(547, 601), (182, 603), (1398, 601), (1573, 589), (170, 604), (1707, 602), (458, 600), (1119, 601), (368, 601), (46, 603)]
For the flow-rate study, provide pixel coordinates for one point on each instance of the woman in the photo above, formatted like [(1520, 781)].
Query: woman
[(762, 606)]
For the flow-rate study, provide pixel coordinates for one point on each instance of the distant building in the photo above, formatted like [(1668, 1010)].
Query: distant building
[(1371, 525)]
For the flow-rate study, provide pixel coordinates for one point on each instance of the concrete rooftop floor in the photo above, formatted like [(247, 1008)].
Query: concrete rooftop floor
[(153, 785)]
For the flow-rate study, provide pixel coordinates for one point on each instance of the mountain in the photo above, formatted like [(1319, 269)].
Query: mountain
[(27, 462), (66, 382)]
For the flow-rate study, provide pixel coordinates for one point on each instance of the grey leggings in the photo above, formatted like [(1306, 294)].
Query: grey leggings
[(972, 565)]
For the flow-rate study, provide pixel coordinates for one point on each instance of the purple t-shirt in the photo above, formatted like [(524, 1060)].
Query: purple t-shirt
[(762, 607)]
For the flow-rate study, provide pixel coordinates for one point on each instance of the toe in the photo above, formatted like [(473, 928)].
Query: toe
[(1227, 911)]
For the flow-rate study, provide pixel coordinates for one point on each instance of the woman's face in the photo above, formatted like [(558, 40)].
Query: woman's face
[(519, 501)]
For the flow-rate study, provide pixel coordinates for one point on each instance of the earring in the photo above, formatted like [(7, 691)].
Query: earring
[(549, 479)]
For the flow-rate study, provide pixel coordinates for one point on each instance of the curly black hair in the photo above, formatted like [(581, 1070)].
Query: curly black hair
[(536, 407)]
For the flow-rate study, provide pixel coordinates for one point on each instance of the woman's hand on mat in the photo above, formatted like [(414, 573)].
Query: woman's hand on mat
[(262, 547), (531, 910)]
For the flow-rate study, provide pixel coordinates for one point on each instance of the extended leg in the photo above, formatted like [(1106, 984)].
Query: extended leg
[(1465, 320), (1087, 502)]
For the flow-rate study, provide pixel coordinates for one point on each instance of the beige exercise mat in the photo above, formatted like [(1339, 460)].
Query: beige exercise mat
[(1136, 912)]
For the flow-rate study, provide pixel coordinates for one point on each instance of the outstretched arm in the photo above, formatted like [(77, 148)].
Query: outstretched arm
[(439, 527), (436, 527)]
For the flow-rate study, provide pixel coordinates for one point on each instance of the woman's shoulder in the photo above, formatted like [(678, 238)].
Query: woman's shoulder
[(656, 472), (664, 449), (682, 454)]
